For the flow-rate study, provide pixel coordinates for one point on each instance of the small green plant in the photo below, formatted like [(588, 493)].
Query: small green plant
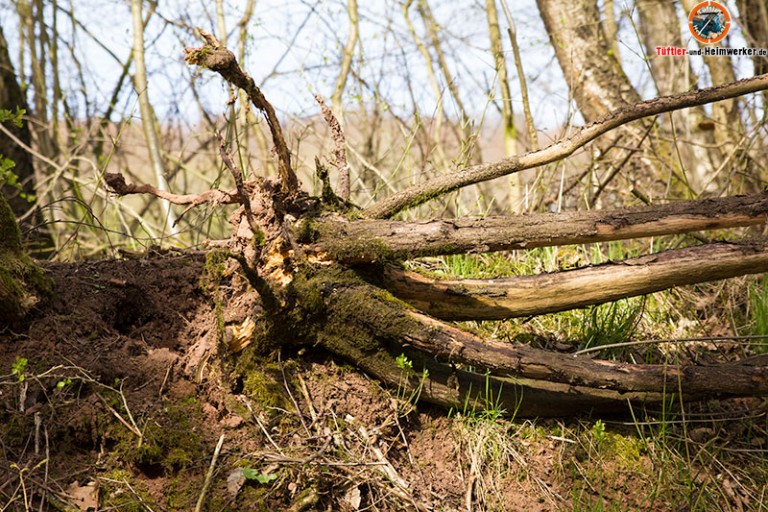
[(16, 118), (9, 178), (404, 363), (256, 475), (598, 432), (406, 370), (615, 322), (18, 368), (487, 406), (64, 383)]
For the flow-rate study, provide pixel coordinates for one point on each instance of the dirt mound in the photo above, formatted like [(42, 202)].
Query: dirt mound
[(103, 405), (115, 395)]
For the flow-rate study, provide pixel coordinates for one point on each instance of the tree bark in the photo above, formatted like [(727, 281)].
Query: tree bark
[(381, 240), (12, 98), (497, 299), (725, 114), (689, 130), (366, 326), (753, 15), (595, 78)]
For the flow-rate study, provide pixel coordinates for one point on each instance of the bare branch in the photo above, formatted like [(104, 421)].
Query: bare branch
[(497, 299), (440, 185), (237, 174), (117, 183), (219, 59), (339, 147)]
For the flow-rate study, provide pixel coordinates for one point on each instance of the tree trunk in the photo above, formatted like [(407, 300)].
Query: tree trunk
[(689, 130), (22, 284), (11, 98), (595, 77), (385, 240)]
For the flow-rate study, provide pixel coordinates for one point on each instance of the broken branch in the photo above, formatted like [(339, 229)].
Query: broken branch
[(219, 59), (374, 240), (497, 299), (116, 182), (443, 184)]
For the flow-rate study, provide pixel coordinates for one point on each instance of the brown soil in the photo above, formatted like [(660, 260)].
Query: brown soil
[(125, 396)]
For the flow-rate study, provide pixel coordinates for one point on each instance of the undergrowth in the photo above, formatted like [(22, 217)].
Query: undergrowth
[(698, 456)]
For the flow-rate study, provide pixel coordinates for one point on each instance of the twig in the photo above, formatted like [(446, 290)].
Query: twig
[(290, 394), (512, 32), (209, 475), (308, 398), (237, 174), (440, 185), (117, 183)]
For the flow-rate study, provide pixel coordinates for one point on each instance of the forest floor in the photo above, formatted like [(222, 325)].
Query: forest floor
[(114, 396)]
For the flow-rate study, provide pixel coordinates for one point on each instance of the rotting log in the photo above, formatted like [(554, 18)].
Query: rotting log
[(376, 240), (497, 299), (368, 327)]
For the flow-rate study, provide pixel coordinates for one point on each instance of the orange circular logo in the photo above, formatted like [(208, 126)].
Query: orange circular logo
[(709, 22)]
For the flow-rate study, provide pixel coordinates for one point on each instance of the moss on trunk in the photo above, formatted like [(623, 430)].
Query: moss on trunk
[(22, 283)]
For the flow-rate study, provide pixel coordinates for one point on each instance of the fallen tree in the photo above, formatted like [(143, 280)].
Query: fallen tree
[(325, 279)]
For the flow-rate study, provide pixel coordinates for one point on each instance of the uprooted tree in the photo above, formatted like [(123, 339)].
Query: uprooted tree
[(320, 272)]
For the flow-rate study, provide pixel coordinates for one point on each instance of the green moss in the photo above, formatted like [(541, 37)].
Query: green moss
[(119, 490), (183, 492), (170, 441), (22, 283), (262, 381), (213, 271), (626, 450)]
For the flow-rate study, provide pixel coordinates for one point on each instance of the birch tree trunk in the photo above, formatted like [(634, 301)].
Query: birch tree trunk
[(147, 112)]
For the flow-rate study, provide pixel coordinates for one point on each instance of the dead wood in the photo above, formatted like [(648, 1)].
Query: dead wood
[(219, 59), (438, 186), (496, 299), (318, 301), (377, 240), (369, 328)]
